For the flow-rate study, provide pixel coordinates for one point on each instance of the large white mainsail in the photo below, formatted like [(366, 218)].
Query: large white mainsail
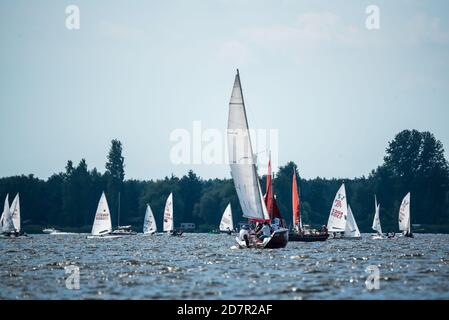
[(339, 212), (6, 219), (227, 224), (149, 223), (241, 158), (102, 223), (351, 230), (404, 214), (15, 212), (376, 222), (168, 214)]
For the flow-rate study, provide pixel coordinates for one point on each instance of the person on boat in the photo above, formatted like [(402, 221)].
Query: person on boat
[(265, 232), (276, 224), (324, 229), (244, 235)]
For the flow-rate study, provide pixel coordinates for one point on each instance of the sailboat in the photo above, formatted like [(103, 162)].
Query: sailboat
[(341, 221), (404, 217), (102, 227), (10, 219), (299, 233), (376, 222), (244, 174), (149, 223), (227, 223), (168, 217), (122, 230)]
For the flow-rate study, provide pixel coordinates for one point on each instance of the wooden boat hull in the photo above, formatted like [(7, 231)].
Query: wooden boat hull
[(293, 236)]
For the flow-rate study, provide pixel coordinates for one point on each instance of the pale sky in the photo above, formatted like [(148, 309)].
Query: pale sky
[(137, 70)]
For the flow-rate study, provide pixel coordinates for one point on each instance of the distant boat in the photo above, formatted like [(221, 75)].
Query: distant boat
[(168, 226), (149, 223), (10, 219), (404, 217), (102, 226), (227, 223), (341, 223), (244, 174), (55, 232), (301, 232), (376, 222), (122, 230)]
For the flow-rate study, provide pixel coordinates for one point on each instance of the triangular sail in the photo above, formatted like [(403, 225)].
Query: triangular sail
[(6, 219), (241, 159), (376, 222), (226, 223), (339, 212), (168, 214), (102, 223), (149, 223), (404, 214), (295, 202), (351, 230), (15, 212)]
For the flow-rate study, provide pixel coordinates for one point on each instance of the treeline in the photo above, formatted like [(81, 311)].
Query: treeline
[(414, 162)]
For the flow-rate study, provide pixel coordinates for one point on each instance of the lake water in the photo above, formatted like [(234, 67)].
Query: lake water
[(205, 266)]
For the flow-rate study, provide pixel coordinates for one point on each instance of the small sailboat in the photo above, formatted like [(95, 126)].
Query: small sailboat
[(122, 230), (376, 222), (227, 223), (149, 223), (55, 232), (244, 175), (404, 217), (168, 218), (299, 232), (102, 227), (10, 219), (341, 221)]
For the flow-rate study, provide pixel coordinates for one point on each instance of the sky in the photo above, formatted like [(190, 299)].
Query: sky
[(335, 91)]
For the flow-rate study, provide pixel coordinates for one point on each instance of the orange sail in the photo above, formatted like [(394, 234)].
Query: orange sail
[(269, 192), (295, 200)]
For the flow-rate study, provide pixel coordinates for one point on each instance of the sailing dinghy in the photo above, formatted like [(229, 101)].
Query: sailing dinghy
[(244, 175), (299, 232), (102, 227), (10, 219), (404, 217), (227, 223), (149, 223), (341, 221), (168, 218), (376, 222), (122, 230)]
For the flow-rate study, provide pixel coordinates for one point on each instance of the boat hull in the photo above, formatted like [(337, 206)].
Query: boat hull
[(297, 237), (278, 240)]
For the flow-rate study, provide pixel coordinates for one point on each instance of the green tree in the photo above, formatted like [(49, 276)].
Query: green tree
[(115, 175)]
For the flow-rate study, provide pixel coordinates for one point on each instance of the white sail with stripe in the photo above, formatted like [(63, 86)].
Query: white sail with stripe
[(351, 230), (376, 222), (6, 219), (404, 214), (15, 212)]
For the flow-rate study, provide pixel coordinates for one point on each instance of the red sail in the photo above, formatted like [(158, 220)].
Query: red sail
[(295, 200), (269, 193)]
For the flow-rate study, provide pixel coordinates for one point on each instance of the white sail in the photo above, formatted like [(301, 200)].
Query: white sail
[(351, 230), (15, 212), (339, 212), (168, 214), (404, 214), (6, 219), (376, 222), (227, 224), (102, 223), (149, 223), (241, 158)]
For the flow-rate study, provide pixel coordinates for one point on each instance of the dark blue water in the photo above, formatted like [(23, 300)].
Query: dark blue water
[(206, 266)]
